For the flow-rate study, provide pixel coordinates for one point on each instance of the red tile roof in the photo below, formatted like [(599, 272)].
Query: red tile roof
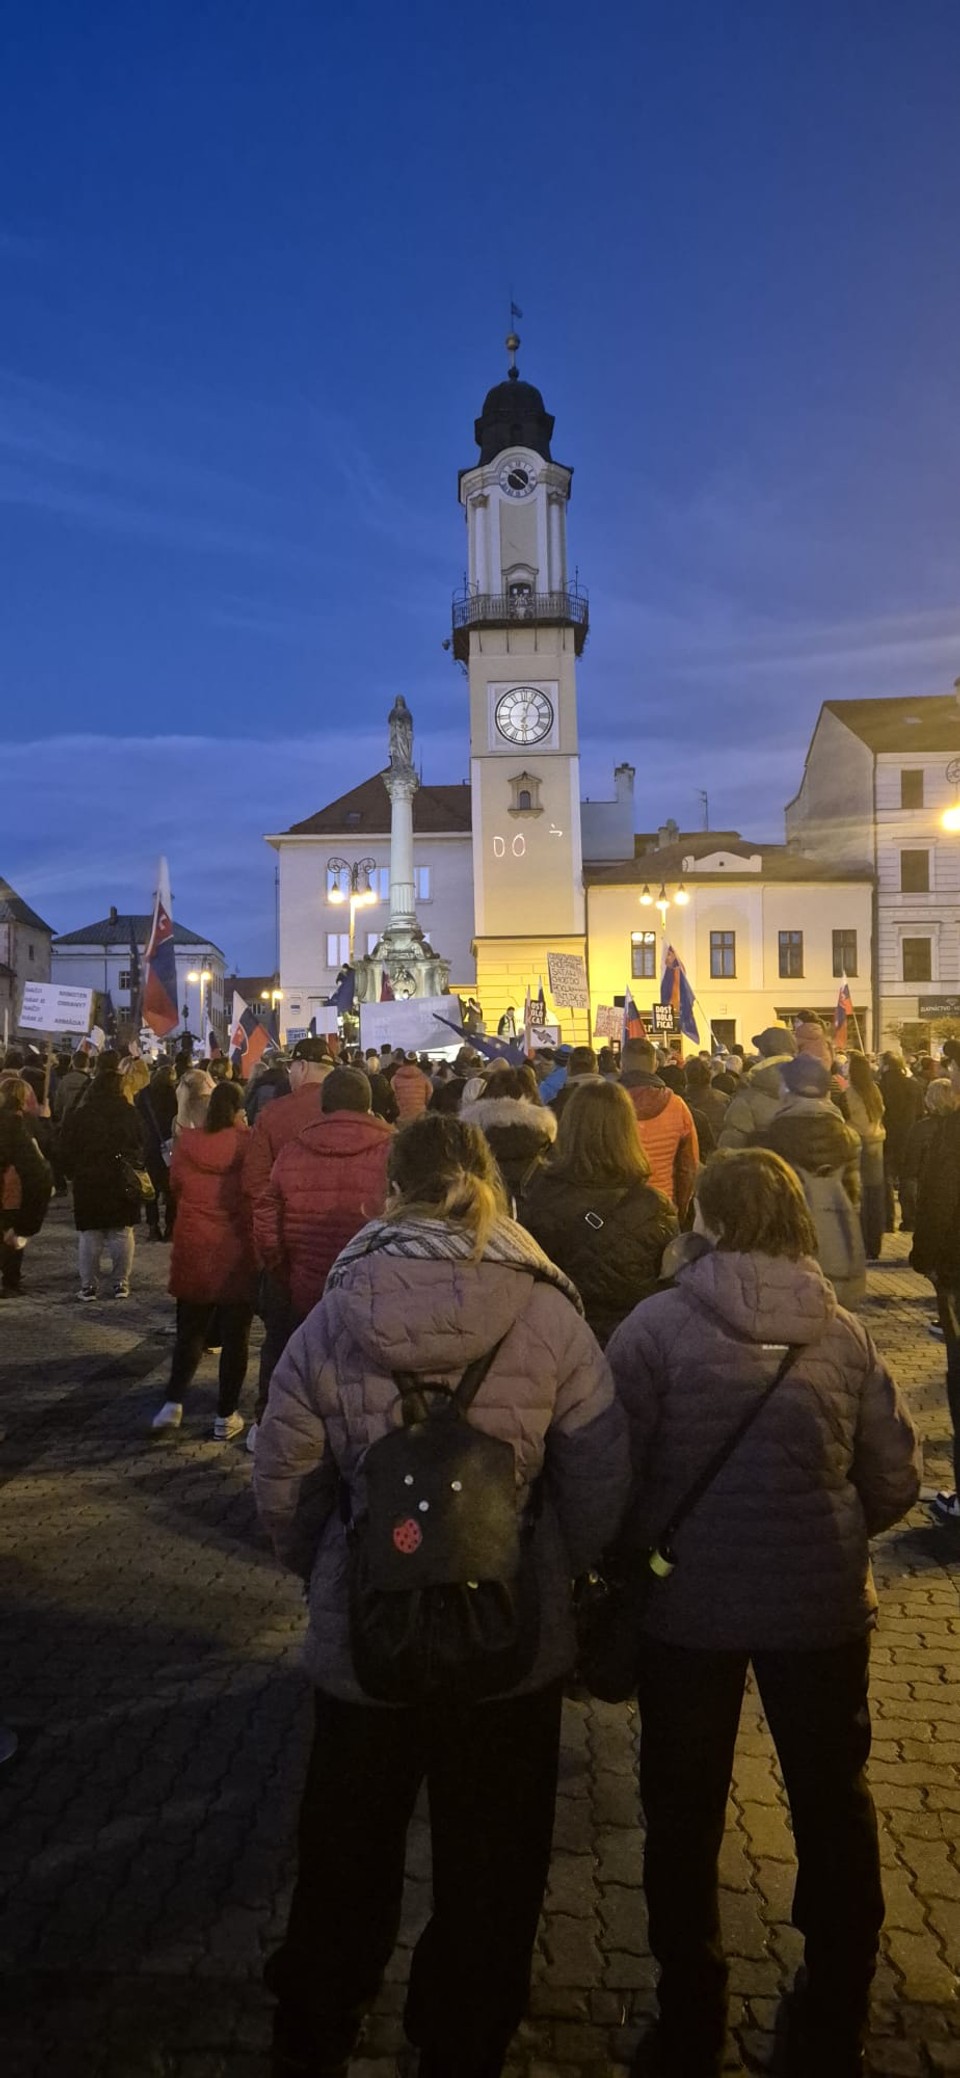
[(365, 812)]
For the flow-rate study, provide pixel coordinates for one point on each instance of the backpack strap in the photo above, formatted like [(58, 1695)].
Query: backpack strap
[(413, 1389)]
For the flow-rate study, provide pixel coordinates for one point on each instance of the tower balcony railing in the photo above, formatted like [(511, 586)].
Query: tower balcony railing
[(568, 608)]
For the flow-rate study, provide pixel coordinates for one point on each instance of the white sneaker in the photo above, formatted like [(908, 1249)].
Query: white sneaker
[(87, 1291), (946, 1507), (169, 1417), (121, 1290), (251, 1442), (226, 1427)]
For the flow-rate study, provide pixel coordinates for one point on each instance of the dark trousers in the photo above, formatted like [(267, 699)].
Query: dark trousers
[(948, 1310), (196, 1327), (11, 1265), (817, 1709), (280, 1318), (491, 1774)]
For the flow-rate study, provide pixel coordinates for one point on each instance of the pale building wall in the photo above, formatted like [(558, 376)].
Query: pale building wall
[(934, 915), (756, 912), (308, 917), (505, 968), (90, 966), (26, 951), (606, 827), (525, 864), (832, 815)]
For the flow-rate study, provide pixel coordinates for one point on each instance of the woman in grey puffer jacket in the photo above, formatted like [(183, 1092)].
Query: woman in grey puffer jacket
[(444, 1279), (772, 1567)]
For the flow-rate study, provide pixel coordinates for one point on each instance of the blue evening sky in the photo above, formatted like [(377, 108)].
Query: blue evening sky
[(255, 263)]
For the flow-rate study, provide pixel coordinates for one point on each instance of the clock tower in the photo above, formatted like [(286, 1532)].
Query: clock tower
[(519, 626)]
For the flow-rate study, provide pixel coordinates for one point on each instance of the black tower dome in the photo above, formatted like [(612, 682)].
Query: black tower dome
[(513, 415)]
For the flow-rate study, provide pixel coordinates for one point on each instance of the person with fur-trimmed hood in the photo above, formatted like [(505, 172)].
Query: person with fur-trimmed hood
[(520, 1129)]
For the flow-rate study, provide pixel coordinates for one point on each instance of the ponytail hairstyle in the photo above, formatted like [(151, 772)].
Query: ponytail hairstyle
[(441, 1169), (225, 1102)]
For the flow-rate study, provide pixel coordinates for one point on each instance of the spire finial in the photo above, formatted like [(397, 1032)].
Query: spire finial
[(512, 341)]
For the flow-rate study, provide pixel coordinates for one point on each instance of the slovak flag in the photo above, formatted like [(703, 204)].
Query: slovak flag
[(675, 989), (160, 1008), (252, 1034), (541, 1017), (633, 1025), (843, 1011)]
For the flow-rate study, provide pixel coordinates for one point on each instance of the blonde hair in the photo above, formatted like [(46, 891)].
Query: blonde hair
[(440, 1168), (598, 1143), (939, 1095), (134, 1077), (193, 1095), (14, 1092)]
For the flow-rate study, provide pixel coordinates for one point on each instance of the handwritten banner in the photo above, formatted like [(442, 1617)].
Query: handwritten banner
[(568, 980)]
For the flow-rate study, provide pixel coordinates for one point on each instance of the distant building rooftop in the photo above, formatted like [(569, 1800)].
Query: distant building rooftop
[(929, 723), (14, 910), (438, 811), (681, 861), (124, 930)]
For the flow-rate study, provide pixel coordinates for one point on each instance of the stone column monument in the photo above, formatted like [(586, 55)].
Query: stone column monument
[(403, 953)]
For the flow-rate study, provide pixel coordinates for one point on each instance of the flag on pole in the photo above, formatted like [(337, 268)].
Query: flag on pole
[(253, 1033), (843, 1011), (515, 310), (527, 1020), (541, 1017), (386, 988), (345, 993), (675, 989), (161, 1010), (633, 1025)]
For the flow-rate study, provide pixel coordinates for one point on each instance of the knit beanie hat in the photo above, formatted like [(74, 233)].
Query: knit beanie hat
[(773, 1040), (805, 1076)]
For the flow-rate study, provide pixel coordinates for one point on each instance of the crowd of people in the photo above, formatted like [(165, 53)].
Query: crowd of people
[(602, 1262)]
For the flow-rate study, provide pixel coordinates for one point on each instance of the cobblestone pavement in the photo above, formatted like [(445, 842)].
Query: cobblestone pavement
[(150, 1663)]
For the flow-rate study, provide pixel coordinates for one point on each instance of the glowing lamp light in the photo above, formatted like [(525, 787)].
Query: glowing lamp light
[(336, 893), (646, 899), (681, 895), (950, 819)]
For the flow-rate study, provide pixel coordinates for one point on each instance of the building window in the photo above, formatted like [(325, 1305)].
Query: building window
[(791, 955), (724, 1031), (911, 789), (916, 959), (338, 948), (352, 819), (643, 955), (914, 872), (525, 794), (30, 952), (123, 978), (421, 882), (845, 954), (723, 955)]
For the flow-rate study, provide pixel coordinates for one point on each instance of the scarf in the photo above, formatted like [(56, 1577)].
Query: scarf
[(433, 1240)]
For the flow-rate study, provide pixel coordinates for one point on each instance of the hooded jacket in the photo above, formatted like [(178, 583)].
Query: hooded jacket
[(666, 1128), (809, 1133), (755, 1103), (609, 1241), (97, 1136), (323, 1188), (548, 1393), (936, 1233), (775, 1556), (212, 1259), (520, 1134)]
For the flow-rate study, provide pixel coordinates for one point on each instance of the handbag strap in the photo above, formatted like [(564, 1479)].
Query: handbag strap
[(661, 1559)]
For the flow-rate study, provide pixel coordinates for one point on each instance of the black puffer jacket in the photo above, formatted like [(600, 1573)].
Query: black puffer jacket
[(936, 1233), (97, 1134), (809, 1133), (609, 1242), (520, 1134), (32, 1179)]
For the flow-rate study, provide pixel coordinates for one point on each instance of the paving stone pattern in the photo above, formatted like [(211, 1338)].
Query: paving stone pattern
[(150, 1663)]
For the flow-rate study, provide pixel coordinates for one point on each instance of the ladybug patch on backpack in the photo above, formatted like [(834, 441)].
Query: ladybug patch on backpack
[(407, 1536)]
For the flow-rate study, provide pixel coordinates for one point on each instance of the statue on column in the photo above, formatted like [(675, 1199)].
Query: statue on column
[(401, 736)]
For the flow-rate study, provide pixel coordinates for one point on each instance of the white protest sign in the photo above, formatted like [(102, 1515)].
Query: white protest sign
[(568, 980), (413, 1023), (47, 1007), (608, 1023)]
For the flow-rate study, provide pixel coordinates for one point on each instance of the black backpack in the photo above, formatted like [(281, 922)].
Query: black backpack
[(443, 1593)]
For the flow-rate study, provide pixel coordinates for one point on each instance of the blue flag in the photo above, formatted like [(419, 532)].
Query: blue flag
[(675, 989)]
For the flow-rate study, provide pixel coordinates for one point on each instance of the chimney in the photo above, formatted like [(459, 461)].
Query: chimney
[(113, 912), (623, 778), (667, 834)]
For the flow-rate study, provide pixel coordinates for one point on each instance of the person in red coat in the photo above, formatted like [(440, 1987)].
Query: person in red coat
[(324, 1186), (212, 1268)]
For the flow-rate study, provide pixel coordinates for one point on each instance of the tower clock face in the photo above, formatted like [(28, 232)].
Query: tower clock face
[(524, 714), (518, 477)]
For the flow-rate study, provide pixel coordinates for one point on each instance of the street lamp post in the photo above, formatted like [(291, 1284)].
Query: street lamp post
[(352, 883), (271, 997), (202, 976)]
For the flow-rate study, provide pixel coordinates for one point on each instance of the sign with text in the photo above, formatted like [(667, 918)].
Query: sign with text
[(608, 1023), (664, 1018), (568, 980), (413, 1023), (939, 1006), (47, 1007)]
